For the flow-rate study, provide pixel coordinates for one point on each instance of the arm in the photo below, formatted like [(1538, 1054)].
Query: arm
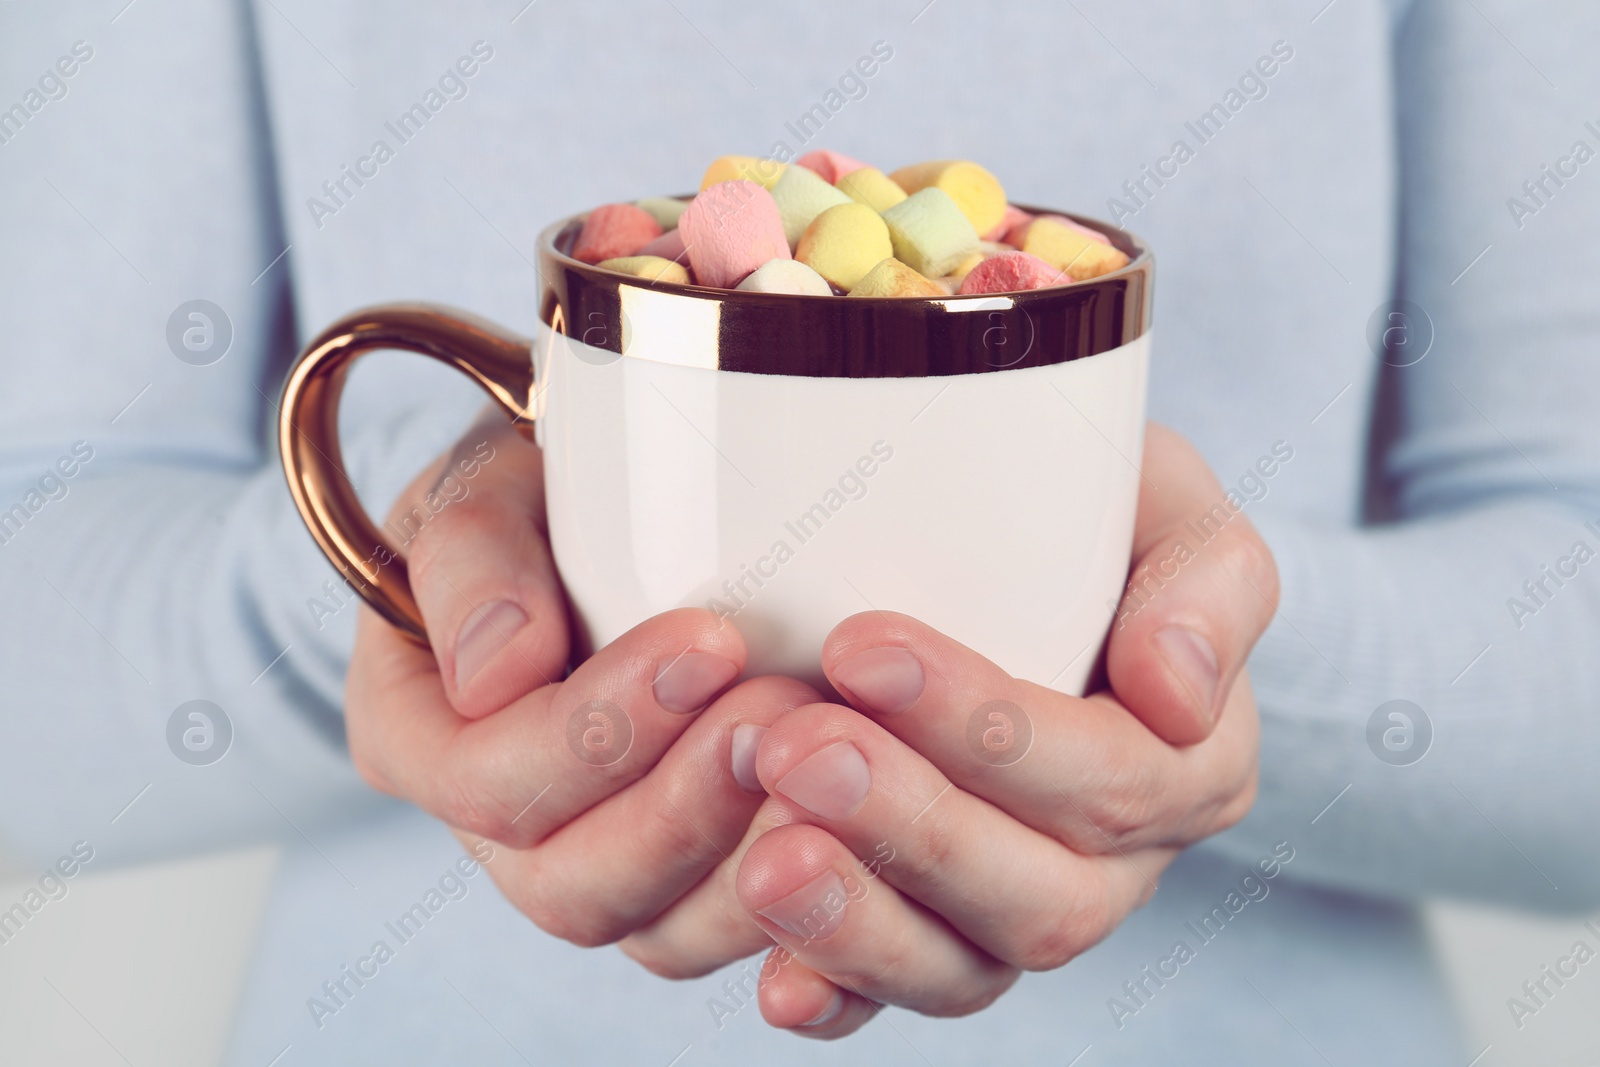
[(170, 566), (1488, 464)]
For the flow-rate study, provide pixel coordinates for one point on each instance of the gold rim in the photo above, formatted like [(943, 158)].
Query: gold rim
[(837, 337)]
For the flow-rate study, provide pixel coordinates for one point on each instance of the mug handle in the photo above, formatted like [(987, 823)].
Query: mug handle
[(308, 432)]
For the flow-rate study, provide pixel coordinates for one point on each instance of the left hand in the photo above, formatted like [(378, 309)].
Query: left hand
[(979, 868)]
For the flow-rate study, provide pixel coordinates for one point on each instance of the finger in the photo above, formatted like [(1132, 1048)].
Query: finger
[(518, 775), (1202, 591), (816, 900), (1083, 771), (794, 997), (1007, 887), (473, 533), (708, 928), (622, 862)]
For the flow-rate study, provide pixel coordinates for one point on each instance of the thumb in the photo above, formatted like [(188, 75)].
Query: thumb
[(1201, 592), (472, 529)]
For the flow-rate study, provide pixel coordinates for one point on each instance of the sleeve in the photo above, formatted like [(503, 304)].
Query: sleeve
[(1474, 592), (150, 554)]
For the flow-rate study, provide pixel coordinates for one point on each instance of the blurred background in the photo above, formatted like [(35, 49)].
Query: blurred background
[(156, 956)]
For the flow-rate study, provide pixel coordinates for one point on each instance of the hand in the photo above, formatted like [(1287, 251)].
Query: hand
[(923, 871), (611, 789)]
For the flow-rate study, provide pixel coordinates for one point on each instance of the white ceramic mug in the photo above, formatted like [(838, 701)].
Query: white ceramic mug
[(788, 461)]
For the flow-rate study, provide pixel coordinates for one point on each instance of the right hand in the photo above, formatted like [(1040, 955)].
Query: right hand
[(485, 730)]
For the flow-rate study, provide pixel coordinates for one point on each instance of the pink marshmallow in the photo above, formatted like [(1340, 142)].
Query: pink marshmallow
[(730, 229), (830, 165), (615, 230), (1011, 272), (668, 246), (1013, 218), (1017, 236)]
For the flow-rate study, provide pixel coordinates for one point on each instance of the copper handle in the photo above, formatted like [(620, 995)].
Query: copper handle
[(308, 432)]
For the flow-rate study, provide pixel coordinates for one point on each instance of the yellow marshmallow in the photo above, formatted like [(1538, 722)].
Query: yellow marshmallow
[(872, 187), (650, 268), (764, 172), (844, 242), (802, 195), (894, 278), (959, 274), (1067, 250), (929, 232), (976, 192)]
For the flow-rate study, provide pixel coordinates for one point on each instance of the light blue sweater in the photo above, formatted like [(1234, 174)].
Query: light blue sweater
[(1426, 525)]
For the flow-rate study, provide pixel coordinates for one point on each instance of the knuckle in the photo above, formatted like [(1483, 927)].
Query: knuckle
[(935, 841), (891, 967), (967, 995), (612, 777), (465, 805), (429, 532), (363, 753), (1233, 811), (666, 960), (1247, 556), (577, 922), (670, 831), (1121, 810), (588, 930), (972, 997), (1052, 947), (367, 768), (1061, 938)]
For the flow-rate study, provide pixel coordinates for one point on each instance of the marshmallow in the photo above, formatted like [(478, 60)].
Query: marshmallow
[(764, 172), (1011, 272), (830, 166), (1021, 230), (930, 233), (650, 268), (1013, 218), (1066, 249), (664, 209), (786, 276), (872, 187), (844, 242), (802, 196), (613, 230), (668, 246), (976, 192), (964, 268), (731, 229), (894, 278)]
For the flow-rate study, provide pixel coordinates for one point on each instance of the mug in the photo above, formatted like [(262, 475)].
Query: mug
[(788, 461)]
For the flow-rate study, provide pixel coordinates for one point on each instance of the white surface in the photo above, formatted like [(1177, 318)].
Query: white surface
[(672, 486), (146, 963), (1488, 954)]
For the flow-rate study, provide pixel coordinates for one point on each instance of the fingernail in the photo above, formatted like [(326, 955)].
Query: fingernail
[(812, 912), (746, 739), (688, 682), (1195, 662), (830, 1013), (831, 783), (886, 679), (483, 635)]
